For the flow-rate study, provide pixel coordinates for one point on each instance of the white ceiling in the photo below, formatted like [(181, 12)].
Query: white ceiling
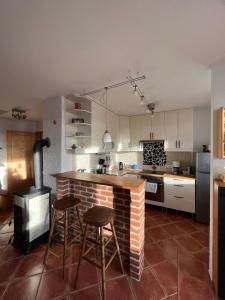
[(56, 47)]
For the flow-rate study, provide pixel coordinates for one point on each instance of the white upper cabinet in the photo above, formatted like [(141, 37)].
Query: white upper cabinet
[(140, 128), (98, 127), (179, 130), (185, 129), (113, 127), (124, 133), (175, 127), (157, 126), (171, 134)]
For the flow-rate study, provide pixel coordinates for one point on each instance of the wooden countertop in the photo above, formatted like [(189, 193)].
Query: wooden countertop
[(110, 180), (165, 175)]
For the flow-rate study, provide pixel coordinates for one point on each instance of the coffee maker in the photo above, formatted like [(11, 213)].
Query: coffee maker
[(176, 167)]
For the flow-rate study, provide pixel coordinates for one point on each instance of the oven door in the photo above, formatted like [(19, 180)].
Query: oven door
[(159, 195)]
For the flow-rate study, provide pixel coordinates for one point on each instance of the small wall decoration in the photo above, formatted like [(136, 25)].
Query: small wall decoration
[(154, 153)]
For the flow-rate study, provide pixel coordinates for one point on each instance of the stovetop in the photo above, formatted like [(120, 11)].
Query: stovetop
[(153, 172)]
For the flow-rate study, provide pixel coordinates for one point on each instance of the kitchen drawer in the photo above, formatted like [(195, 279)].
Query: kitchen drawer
[(182, 203), (179, 187)]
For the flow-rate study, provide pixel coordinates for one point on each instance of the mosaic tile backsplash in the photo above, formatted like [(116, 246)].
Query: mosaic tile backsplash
[(154, 153)]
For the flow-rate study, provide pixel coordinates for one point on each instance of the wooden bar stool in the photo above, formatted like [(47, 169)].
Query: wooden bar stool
[(60, 218), (99, 217)]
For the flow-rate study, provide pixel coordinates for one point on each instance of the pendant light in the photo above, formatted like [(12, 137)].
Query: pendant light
[(107, 136)]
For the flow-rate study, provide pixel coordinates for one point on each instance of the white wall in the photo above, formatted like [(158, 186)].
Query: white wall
[(56, 159), (202, 127), (17, 125), (218, 100)]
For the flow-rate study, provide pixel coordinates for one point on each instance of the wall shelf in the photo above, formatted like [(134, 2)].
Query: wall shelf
[(75, 110)]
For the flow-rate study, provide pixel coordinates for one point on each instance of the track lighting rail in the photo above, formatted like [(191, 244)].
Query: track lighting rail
[(113, 86)]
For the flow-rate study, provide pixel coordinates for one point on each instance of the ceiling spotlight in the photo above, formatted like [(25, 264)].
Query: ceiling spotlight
[(142, 101), (135, 91), (151, 108)]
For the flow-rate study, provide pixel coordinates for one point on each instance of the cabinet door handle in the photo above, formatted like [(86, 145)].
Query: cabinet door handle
[(176, 144), (178, 185), (179, 144), (178, 197)]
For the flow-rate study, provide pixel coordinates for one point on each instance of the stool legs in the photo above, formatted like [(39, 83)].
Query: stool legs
[(101, 244), (102, 262), (79, 220), (65, 226), (50, 237), (117, 245), (81, 254)]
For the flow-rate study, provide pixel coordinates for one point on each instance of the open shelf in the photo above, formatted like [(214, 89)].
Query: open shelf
[(82, 126), (75, 110), (76, 124)]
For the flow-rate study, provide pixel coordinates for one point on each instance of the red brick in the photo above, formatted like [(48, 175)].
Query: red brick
[(86, 194), (100, 187), (100, 197), (106, 193)]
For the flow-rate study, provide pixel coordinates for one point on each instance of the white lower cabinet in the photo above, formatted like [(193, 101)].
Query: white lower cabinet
[(180, 194)]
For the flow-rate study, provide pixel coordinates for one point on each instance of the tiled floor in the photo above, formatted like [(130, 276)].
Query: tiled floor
[(176, 266)]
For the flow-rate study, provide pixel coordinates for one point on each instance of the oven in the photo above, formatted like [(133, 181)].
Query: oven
[(152, 194)]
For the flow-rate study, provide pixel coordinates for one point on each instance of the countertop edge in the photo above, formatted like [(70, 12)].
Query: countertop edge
[(166, 175), (128, 183)]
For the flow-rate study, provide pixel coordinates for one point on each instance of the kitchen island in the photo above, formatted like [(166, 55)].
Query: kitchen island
[(126, 195)]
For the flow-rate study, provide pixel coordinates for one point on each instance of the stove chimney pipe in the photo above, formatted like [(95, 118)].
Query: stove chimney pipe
[(38, 161)]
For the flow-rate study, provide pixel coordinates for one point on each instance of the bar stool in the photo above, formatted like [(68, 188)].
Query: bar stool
[(99, 217), (60, 217)]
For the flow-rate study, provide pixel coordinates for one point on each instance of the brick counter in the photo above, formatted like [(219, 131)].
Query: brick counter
[(129, 205)]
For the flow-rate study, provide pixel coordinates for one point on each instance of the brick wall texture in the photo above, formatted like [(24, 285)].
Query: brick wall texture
[(129, 208)]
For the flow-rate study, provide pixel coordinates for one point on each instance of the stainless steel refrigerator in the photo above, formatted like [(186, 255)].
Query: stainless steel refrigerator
[(202, 187)]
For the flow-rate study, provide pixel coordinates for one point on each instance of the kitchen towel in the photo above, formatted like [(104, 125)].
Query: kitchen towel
[(154, 153), (151, 187)]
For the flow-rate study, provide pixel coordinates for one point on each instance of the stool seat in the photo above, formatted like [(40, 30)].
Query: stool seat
[(99, 216), (66, 202)]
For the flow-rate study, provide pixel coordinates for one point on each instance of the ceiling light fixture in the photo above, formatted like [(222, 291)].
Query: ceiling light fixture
[(142, 101), (135, 91), (107, 138), (19, 113), (151, 108)]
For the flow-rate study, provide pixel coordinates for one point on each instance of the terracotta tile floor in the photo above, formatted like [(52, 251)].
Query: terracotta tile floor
[(176, 266)]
